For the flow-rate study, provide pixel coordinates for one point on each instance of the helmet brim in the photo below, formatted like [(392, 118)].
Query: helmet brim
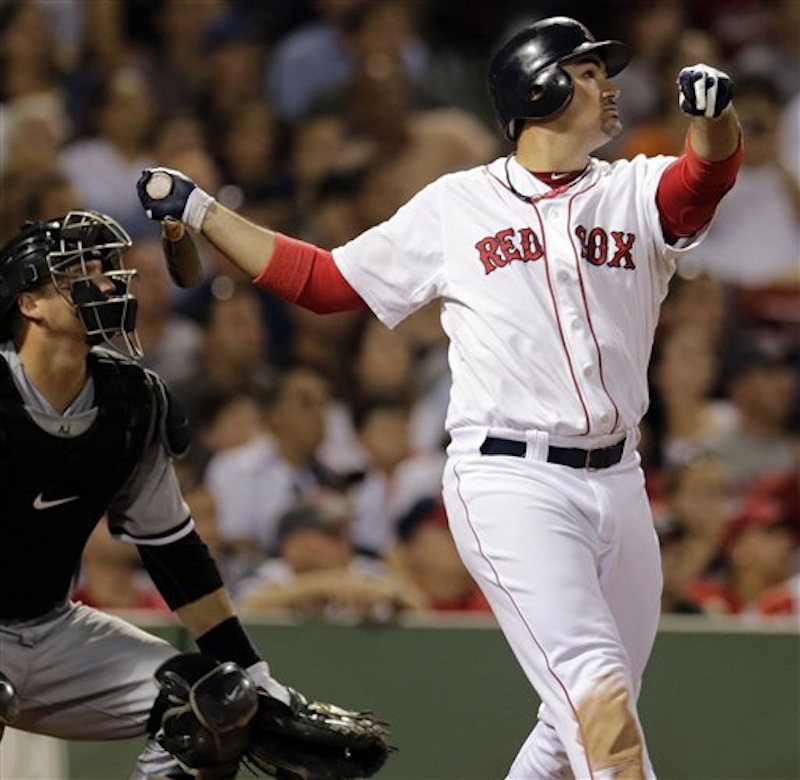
[(615, 54)]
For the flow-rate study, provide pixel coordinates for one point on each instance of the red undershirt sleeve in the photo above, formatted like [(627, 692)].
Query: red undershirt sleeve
[(304, 274), (691, 188)]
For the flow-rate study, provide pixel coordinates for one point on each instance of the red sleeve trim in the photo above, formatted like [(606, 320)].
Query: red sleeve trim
[(691, 188), (304, 274)]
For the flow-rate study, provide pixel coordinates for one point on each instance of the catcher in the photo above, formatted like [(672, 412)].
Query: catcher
[(85, 432)]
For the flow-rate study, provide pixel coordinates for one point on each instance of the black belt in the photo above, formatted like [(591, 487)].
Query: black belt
[(574, 457)]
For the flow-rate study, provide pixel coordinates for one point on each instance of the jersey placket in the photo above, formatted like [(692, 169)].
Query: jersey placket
[(573, 317)]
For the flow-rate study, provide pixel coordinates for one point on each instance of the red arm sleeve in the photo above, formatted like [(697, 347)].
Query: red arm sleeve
[(691, 188), (304, 274)]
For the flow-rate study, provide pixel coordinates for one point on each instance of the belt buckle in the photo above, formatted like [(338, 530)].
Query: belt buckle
[(588, 464)]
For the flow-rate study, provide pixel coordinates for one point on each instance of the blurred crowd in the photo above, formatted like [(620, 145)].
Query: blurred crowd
[(315, 468)]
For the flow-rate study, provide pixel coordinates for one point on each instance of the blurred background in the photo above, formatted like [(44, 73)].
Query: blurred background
[(318, 442)]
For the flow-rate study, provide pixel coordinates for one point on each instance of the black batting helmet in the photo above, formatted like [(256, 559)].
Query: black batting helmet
[(58, 250), (526, 79)]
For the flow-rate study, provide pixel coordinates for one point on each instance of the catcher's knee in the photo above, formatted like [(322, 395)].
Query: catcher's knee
[(609, 730), (9, 703), (202, 714)]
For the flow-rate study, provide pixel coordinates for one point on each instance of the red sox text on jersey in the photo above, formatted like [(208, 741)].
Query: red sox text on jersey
[(598, 247)]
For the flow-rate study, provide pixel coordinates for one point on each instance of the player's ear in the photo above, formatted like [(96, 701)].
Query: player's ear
[(28, 303)]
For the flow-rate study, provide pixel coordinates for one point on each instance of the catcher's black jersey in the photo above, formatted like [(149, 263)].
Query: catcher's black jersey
[(56, 482)]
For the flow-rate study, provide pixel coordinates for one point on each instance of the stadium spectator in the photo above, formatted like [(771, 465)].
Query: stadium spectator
[(758, 549), (234, 54), (255, 483), (777, 54), (404, 362), (233, 346), (394, 477), (700, 501), (428, 343), (30, 66), (701, 302), (684, 416), (319, 159), (670, 537), (247, 151), (225, 418), (426, 556), (178, 53), (761, 383), (34, 121), (116, 142), (790, 134), (317, 572), (317, 56), (178, 135), (781, 601), (51, 193)]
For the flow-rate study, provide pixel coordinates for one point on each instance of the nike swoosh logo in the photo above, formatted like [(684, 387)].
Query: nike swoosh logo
[(40, 503)]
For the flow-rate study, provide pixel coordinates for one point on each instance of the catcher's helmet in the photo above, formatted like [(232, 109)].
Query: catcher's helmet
[(526, 79), (58, 251)]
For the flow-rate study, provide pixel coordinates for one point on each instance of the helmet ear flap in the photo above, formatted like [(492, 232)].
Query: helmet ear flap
[(550, 93)]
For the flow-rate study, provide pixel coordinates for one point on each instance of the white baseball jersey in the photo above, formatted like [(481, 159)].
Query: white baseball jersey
[(550, 306), (550, 298)]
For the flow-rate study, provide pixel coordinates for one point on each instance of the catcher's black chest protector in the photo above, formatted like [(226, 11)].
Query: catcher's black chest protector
[(55, 486)]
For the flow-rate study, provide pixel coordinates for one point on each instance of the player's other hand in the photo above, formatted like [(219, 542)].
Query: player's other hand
[(168, 194), (704, 91)]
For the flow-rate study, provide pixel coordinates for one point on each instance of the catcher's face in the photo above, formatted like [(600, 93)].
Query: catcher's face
[(91, 270), (51, 305), (82, 303)]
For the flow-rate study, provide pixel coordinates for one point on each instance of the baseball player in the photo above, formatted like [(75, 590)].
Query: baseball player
[(551, 266), (86, 432)]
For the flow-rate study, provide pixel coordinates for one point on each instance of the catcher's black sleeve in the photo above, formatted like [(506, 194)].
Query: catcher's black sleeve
[(183, 571)]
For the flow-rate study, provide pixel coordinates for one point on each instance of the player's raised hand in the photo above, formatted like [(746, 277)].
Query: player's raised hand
[(704, 91), (168, 194)]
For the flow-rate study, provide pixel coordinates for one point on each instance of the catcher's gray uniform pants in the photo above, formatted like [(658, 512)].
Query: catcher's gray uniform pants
[(84, 675)]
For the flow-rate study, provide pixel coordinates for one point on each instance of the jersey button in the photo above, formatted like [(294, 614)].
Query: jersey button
[(588, 371), (577, 325), (563, 276)]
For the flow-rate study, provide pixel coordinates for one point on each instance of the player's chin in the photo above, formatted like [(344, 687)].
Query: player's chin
[(611, 125)]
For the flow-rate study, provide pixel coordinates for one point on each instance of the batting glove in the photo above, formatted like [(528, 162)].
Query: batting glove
[(182, 200), (704, 91)]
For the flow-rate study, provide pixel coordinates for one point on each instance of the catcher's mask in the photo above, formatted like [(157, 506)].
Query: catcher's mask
[(66, 251)]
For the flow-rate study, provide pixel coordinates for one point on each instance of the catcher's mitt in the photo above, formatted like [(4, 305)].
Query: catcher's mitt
[(212, 718), (314, 741)]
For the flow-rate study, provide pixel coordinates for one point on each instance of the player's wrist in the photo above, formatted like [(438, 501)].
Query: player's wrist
[(263, 678), (228, 641), (196, 208)]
